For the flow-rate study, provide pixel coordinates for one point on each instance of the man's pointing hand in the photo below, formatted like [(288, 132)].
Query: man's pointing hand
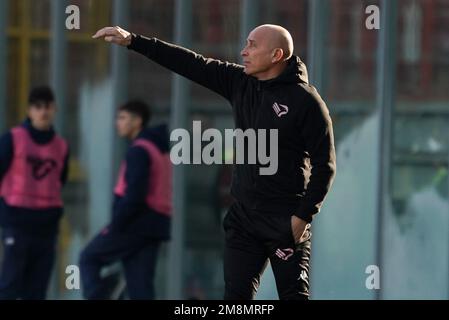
[(114, 35)]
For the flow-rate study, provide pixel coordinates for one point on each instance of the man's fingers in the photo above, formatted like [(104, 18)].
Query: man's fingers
[(99, 33), (113, 39), (107, 31)]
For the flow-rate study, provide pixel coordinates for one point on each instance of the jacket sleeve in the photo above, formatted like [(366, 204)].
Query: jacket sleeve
[(318, 136), (220, 77), (6, 153), (137, 181)]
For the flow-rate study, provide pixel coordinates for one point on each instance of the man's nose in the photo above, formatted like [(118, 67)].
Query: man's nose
[(243, 53)]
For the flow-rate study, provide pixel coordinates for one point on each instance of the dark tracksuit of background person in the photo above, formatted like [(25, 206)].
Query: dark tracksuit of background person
[(140, 221), (29, 219), (258, 224)]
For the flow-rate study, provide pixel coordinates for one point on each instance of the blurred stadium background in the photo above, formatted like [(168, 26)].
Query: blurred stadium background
[(387, 90)]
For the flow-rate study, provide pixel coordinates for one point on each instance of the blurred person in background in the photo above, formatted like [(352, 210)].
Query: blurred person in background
[(141, 211), (272, 214), (33, 169)]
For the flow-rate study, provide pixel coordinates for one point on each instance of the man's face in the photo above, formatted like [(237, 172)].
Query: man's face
[(257, 54), (42, 115), (127, 124)]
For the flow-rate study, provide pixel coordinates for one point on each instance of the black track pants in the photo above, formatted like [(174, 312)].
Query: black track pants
[(253, 238)]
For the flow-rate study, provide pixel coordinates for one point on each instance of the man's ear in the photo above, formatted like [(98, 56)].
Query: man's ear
[(278, 55)]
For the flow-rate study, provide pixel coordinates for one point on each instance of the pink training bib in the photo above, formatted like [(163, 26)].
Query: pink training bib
[(33, 180), (159, 196)]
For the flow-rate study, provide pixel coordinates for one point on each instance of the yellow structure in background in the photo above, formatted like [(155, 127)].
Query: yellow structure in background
[(22, 31)]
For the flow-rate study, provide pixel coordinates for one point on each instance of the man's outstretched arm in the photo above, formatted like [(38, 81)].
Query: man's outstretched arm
[(220, 77)]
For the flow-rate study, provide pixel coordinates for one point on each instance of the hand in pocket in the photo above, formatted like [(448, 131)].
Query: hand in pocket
[(300, 229)]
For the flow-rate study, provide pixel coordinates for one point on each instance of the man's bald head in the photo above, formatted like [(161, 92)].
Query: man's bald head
[(276, 37), (267, 50)]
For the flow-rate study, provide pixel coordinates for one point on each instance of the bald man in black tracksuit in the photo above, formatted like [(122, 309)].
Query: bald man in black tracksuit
[(271, 216)]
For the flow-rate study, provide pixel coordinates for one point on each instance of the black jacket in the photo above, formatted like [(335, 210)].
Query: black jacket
[(306, 163)]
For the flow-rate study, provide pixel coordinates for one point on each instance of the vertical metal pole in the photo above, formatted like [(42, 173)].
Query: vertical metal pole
[(248, 19), (24, 56), (58, 45), (119, 73), (317, 34), (3, 63), (180, 98), (119, 56), (385, 95)]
